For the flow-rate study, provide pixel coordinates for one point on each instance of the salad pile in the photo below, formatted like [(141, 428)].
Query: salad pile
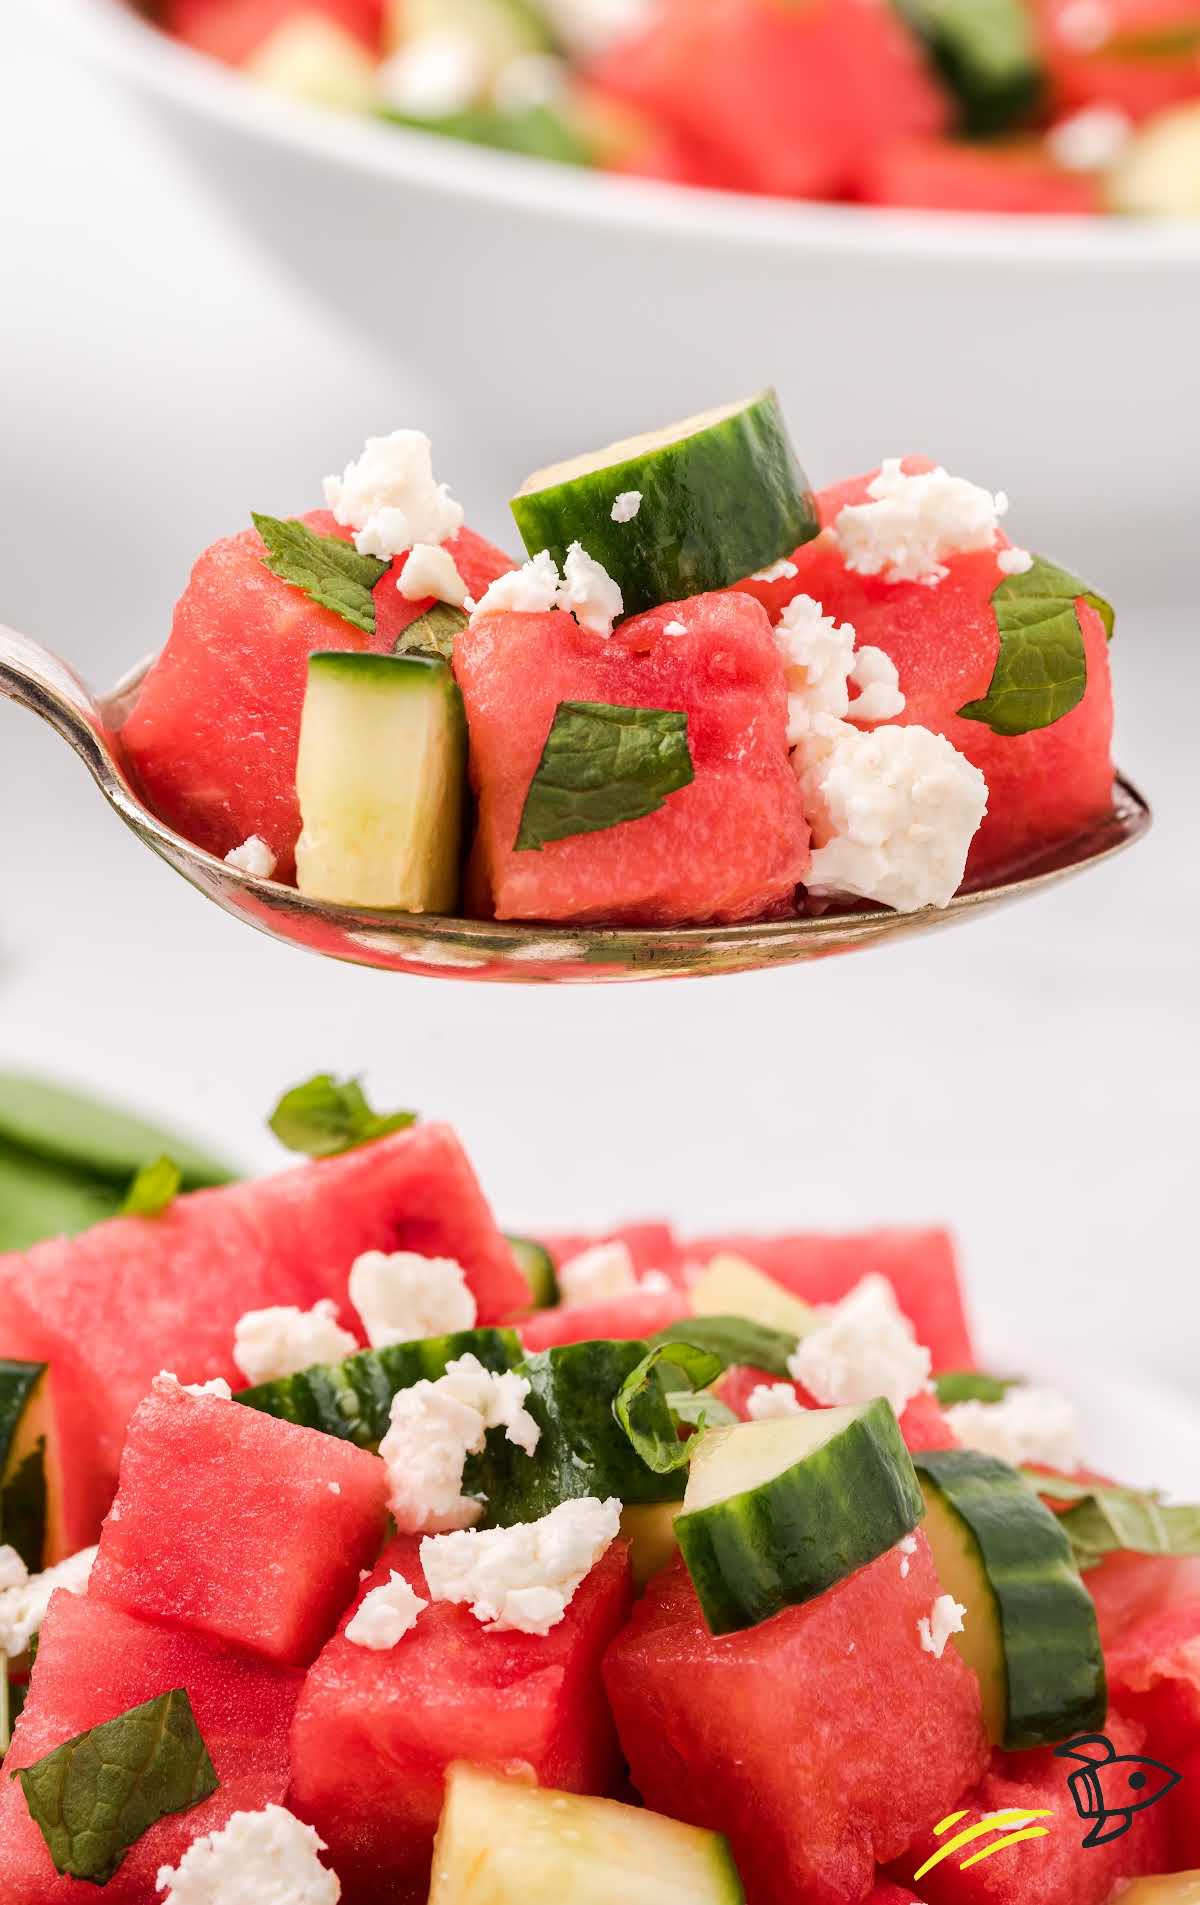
[(1043, 106), (709, 694), (350, 1549)]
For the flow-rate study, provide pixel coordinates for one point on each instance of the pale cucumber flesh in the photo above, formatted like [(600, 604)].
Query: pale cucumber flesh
[(732, 1287)]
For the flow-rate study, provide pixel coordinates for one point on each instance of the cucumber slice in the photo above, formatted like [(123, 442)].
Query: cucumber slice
[(312, 58), (1031, 1637), (986, 52), (732, 1287), (70, 1127), (504, 1843), (1176, 1888), (1158, 174), (649, 1527), (381, 778), (353, 1399), (25, 1516), (777, 1512), (722, 496), (538, 1267)]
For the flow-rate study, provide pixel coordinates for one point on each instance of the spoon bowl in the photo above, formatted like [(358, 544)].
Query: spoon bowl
[(508, 952)]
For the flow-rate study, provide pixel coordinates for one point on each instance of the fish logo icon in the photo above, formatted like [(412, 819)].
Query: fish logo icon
[(1108, 1787)]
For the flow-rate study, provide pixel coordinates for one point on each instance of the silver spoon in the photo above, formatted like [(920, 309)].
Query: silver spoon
[(489, 949)]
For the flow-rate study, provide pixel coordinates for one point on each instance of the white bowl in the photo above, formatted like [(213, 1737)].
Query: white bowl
[(555, 309)]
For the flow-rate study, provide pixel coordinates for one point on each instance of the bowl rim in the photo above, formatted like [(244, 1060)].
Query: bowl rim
[(123, 42)]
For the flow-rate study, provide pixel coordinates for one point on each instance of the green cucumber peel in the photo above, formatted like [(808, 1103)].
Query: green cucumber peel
[(986, 53), (971, 1385), (433, 633), (23, 1509), (93, 1797), (330, 572), (634, 1403), (91, 1137), (601, 766), (154, 1188), (1103, 1519), (325, 1116), (1041, 667), (734, 1339)]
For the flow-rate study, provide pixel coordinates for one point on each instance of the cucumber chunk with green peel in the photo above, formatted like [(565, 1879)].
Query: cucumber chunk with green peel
[(25, 1504), (778, 1512), (501, 1842), (986, 51), (1030, 1635), (719, 496), (732, 1287), (71, 1127), (381, 779), (538, 1267)]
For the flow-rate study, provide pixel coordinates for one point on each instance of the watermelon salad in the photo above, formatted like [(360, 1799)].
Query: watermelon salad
[(1026, 106), (709, 694), (353, 1549)]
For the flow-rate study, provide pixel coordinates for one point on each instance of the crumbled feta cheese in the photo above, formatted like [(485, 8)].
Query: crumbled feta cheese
[(167, 1383), (257, 1858), (597, 1273), (404, 1296), (893, 812), (627, 505), (434, 1427), (1026, 1425), (1091, 140), (820, 661), (588, 27), (770, 1400), (432, 570), (877, 679), (24, 1597), (335, 1488), (655, 1283), (533, 589), (1014, 561), (675, 628), (254, 856), (781, 571), (589, 592), (390, 499), (912, 523), (863, 1347), (529, 81), (524, 1577), (433, 75), (907, 1547), (385, 1615), (1085, 25), (268, 1344), (944, 1618)]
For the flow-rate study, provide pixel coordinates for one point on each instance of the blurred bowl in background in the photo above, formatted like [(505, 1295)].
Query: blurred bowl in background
[(557, 309)]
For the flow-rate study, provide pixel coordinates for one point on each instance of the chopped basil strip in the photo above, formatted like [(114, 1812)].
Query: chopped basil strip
[(433, 633), (326, 1115), (971, 1385), (734, 1339), (93, 1797), (331, 572), (603, 765), (1104, 1519), (633, 1403), (700, 1409), (154, 1187), (1041, 669)]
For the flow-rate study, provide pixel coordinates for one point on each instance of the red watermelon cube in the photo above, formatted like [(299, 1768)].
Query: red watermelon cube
[(622, 1318), (924, 1424), (375, 1732), (238, 1527), (234, 30), (94, 1663), (731, 845), (819, 1742), (1153, 1658), (958, 175)]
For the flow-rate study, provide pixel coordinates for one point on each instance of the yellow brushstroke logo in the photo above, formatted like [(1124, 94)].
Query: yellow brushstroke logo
[(1014, 1826)]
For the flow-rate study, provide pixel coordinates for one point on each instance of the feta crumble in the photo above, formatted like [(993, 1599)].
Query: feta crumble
[(522, 1578), (257, 1858), (1014, 561), (433, 75), (893, 812), (589, 27), (781, 571), (530, 590), (771, 1400), (434, 1427), (907, 1548), (1026, 1425), (675, 628), (385, 1615), (268, 1344), (877, 679), (597, 1273), (1090, 140), (863, 1347), (820, 661), (432, 570), (627, 505), (167, 1383), (944, 1618), (24, 1597), (912, 523), (530, 80), (254, 856), (390, 499), (584, 589), (404, 1296), (1085, 25)]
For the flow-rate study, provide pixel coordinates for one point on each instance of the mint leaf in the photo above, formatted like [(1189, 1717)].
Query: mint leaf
[(95, 1796), (433, 633), (700, 1409), (637, 1403), (330, 572), (733, 1339), (326, 1116), (603, 765), (154, 1187), (1041, 669), (1104, 1519), (970, 1385)]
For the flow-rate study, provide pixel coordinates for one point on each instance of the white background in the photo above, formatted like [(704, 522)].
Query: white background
[(1030, 1079)]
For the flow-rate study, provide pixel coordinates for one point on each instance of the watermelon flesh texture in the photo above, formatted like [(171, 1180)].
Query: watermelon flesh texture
[(952, 175), (652, 1246), (923, 1424), (279, 1520), (96, 1662), (730, 846), (820, 1742), (623, 1319), (234, 30), (920, 1265), (1148, 1607), (375, 1732), (213, 737), (1116, 72)]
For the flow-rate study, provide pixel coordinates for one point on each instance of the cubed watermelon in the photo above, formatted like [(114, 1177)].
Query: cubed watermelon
[(96, 1662), (1154, 1672), (959, 175), (920, 1265), (234, 30), (239, 1527), (820, 1742), (214, 734), (731, 845), (1137, 55), (375, 1732), (622, 1319), (652, 1246)]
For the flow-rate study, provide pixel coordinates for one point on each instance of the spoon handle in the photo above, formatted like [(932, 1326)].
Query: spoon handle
[(35, 679)]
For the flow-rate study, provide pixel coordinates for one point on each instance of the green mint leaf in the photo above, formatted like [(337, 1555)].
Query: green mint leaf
[(326, 1115), (601, 766), (700, 1409), (1041, 669), (93, 1797), (733, 1339), (433, 633), (330, 572), (971, 1385), (1102, 1518), (637, 1405), (154, 1187)]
